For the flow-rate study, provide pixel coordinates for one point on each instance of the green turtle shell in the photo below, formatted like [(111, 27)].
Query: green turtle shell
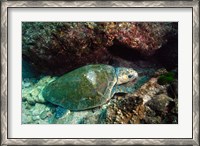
[(84, 88)]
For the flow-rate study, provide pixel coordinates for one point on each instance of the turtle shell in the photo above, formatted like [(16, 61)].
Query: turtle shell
[(86, 87)]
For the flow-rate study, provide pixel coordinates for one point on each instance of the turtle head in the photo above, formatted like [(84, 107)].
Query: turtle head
[(125, 75)]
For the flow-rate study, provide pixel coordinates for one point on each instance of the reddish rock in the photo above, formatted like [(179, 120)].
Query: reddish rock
[(58, 47), (145, 37)]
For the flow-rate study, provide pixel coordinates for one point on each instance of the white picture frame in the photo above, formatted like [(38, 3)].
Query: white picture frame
[(5, 129)]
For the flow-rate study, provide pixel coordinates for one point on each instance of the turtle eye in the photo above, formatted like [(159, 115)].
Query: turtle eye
[(130, 76)]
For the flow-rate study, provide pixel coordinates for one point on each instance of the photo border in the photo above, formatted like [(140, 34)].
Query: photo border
[(5, 5)]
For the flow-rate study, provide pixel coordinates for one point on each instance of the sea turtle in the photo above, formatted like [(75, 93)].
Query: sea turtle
[(88, 87)]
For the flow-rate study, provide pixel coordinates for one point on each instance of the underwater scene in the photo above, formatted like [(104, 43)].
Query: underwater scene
[(99, 73)]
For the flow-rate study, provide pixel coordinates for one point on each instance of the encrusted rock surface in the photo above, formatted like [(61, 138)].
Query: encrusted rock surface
[(60, 47), (56, 48), (150, 104), (144, 37), (37, 114), (32, 92), (125, 110)]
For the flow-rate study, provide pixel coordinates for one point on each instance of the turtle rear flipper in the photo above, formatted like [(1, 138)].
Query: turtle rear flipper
[(60, 111)]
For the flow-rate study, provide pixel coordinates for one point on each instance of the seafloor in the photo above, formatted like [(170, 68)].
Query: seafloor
[(50, 50)]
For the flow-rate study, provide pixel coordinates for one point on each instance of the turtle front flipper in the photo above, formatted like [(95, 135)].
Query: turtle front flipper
[(122, 89), (108, 92)]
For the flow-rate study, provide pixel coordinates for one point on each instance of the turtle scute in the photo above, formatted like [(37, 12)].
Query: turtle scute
[(84, 88)]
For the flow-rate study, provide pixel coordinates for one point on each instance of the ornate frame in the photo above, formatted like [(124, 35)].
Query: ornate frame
[(4, 72)]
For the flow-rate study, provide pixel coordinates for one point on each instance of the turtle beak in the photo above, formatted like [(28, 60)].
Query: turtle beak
[(134, 80)]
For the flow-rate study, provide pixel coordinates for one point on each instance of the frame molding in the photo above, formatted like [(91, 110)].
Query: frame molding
[(5, 5)]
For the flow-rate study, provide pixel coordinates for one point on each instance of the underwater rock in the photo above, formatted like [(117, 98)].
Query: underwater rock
[(174, 106), (31, 114), (159, 102), (125, 110), (55, 48), (59, 47), (42, 112), (146, 37), (26, 113), (170, 119), (95, 116), (149, 90), (130, 103), (153, 120), (174, 86), (26, 119), (38, 109), (160, 72), (48, 112), (33, 93)]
